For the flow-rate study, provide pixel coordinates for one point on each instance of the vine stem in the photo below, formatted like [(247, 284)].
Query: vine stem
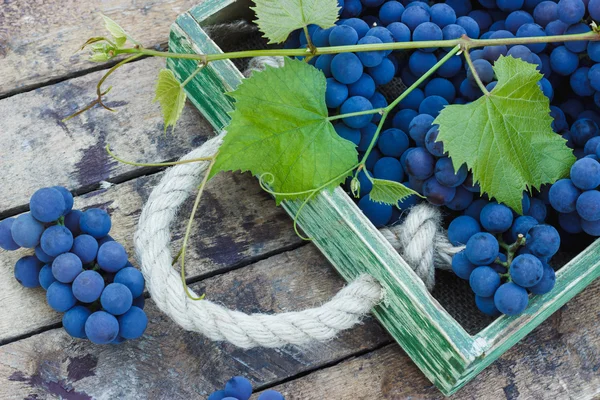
[(475, 73), (163, 164), (464, 42)]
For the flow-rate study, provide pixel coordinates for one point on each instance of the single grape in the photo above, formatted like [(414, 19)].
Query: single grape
[(270, 395), (474, 210), (6, 239), (563, 196), (393, 142), (496, 218), (545, 12), (132, 278), (335, 93), (585, 174), (461, 265), (542, 241), (133, 323), (516, 19), (95, 222), (433, 146), (570, 222), (592, 228), (383, 73), (46, 277), (367, 134), (239, 388), (360, 26), (532, 30), (427, 31), (588, 205), (60, 296), (26, 231), (379, 214), (420, 62), (116, 298), (412, 100), (414, 16), (581, 45), (320, 37), (47, 204), (101, 327), (451, 67), (42, 256), (370, 58), (88, 286), (486, 305), (469, 25), (400, 32), (580, 82), (591, 146), (482, 249), (220, 394), (593, 51), (461, 7), (56, 240), (511, 299), (85, 247), (356, 104), (461, 229), (383, 34), (526, 270), (547, 282), (436, 193), (74, 321), (445, 174), (66, 267), (484, 281), (462, 199), (483, 19), (347, 133), (571, 11), (453, 31), (67, 197), (27, 271), (72, 222), (105, 239), (521, 226), (484, 70), (390, 12), (441, 87), (418, 128), (469, 90), (343, 35), (432, 105), (470, 185), (112, 256)]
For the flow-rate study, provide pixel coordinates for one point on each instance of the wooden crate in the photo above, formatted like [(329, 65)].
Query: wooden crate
[(436, 342)]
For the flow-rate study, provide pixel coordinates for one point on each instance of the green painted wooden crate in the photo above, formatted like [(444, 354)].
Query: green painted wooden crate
[(436, 342)]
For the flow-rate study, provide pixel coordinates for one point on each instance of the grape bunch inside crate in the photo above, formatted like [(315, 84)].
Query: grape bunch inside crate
[(443, 349)]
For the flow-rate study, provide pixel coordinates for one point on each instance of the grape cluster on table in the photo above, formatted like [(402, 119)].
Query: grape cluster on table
[(86, 274), (407, 150), (240, 388)]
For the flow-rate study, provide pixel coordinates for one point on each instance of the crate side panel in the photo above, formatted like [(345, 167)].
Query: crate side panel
[(222, 11)]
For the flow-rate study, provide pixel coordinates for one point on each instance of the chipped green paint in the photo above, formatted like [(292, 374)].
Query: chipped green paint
[(442, 349)]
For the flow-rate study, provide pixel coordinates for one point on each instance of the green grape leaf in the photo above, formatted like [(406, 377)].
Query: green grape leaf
[(506, 137), (170, 96), (280, 129), (115, 30), (390, 192), (278, 18)]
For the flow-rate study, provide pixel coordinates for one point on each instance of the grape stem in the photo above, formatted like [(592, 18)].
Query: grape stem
[(474, 72)]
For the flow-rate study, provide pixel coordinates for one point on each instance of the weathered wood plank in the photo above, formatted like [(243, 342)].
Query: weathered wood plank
[(168, 363), (560, 360), (39, 39), (37, 149), (237, 222)]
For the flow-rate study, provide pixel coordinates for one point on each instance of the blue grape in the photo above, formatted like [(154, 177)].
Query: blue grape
[(491, 53), (442, 14), (378, 101), (67, 197), (532, 30), (41, 255), (383, 73), (105, 239), (85, 247), (563, 61), (133, 323), (400, 32), (484, 70), (47, 205), (436, 193), (393, 142), (495, 27), (46, 277), (420, 62), (116, 298), (593, 51), (366, 136), (66, 267), (88, 286), (239, 388), (461, 7), (486, 305), (379, 214), (484, 281), (403, 118), (112, 257), (433, 146), (591, 146), (320, 37), (594, 76), (372, 158), (483, 19), (571, 11), (26, 231), (346, 68), (461, 265), (482, 248), (56, 240), (516, 19), (522, 225), (590, 114), (469, 25), (471, 186), (419, 163), (425, 32), (542, 241), (545, 12), (511, 299), (474, 210), (547, 282), (418, 128), (412, 100), (323, 62), (132, 278), (432, 105), (521, 52), (496, 218), (531, 4), (490, 86), (270, 395), (343, 35), (27, 271), (583, 130), (445, 174), (526, 270), (139, 302), (581, 45), (60, 296), (580, 82), (538, 210), (594, 9), (588, 205), (72, 222), (592, 228), (101, 327), (370, 58), (95, 222), (383, 34), (441, 87), (585, 174), (360, 26), (461, 229), (347, 133), (555, 28), (469, 90), (509, 5), (335, 93), (6, 239), (414, 16), (563, 196), (462, 199), (560, 121), (390, 12), (388, 168), (74, 321), (220, 394), (409, 201)]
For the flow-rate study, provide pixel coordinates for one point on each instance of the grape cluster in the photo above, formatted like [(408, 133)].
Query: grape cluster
[(85, 272), (499, 274), (240, 388)]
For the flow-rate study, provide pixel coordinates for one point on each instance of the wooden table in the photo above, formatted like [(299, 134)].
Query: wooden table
[(251, 258)]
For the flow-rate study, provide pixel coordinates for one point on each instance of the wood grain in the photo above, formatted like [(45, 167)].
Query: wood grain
[(37, 149), (39, 40), (559, 360), (168, 363)]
